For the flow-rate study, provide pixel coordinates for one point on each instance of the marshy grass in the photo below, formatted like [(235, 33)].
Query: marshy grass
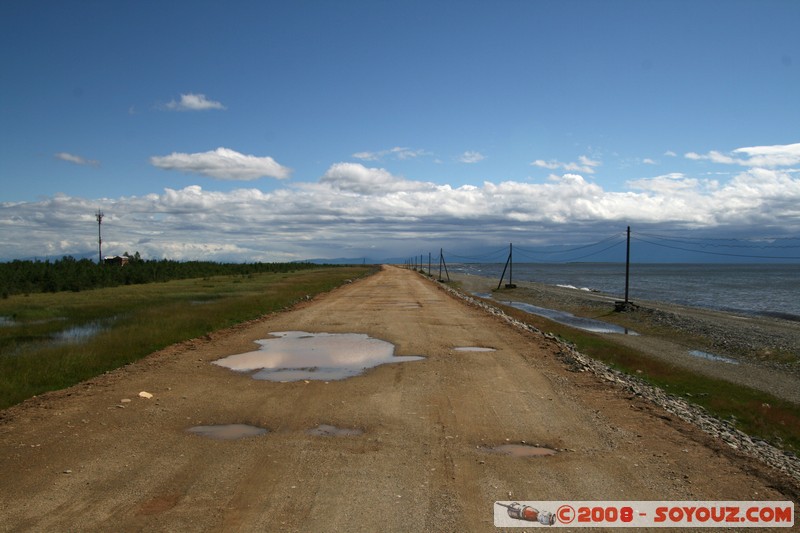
[(130, 322)]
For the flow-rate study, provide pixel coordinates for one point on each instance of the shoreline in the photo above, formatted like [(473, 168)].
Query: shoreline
[(717, 428), (766, 349), (682, 284)]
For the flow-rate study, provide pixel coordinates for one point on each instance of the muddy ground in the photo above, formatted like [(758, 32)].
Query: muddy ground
[(99, 457)]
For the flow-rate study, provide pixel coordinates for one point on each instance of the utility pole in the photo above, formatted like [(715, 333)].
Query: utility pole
[(627, 265), (442, 262), (99, 216), (627, 305), (509, 263)]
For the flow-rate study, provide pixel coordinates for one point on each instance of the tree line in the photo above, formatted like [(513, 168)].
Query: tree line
[(70, 274)]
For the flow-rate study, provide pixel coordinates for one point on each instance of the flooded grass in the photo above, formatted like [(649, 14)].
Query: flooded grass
[(147, 318), (712, 357), (568, 319)]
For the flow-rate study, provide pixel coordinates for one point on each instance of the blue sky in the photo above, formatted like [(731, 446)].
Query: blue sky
[(288, 130)]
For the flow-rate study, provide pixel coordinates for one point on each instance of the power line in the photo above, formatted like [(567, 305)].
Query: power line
[(479, 258), (716, 253), (701, 241), (584, 246)]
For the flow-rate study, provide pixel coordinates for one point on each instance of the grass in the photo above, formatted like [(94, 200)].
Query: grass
[(754, 412), (135, 321)]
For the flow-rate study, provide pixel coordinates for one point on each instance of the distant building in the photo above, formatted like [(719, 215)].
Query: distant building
[(117, 260)]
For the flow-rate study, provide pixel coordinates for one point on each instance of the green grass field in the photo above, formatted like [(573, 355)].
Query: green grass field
[(50, 341)]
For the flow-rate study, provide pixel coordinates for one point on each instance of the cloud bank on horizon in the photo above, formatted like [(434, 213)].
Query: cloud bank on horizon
[(268, 131), (355, 210)]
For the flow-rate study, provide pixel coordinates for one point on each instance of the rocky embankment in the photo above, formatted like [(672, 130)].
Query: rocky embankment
[(786, 462)]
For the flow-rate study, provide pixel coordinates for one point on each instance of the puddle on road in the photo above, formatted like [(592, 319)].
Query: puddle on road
[(297, 355), (521, 450), (473, 349), (227, 431), (712, 357), (324, 430)]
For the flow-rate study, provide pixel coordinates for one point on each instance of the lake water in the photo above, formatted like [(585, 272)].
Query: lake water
[(766, 289)]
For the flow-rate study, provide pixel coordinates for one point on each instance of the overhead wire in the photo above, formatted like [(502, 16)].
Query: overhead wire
[(714, 253), (581, 247), (480, 258), (704, 241), (682, 243)]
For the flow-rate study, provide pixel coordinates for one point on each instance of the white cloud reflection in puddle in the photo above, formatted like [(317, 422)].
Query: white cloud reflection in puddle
[(297, 355)]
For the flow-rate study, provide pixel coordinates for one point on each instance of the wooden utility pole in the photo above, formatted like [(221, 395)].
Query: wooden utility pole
[(441, 262), (99, 216), (627, 265), (510, 267), (626, 305)]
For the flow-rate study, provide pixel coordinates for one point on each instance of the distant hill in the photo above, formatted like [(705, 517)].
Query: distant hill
[(343, 261)]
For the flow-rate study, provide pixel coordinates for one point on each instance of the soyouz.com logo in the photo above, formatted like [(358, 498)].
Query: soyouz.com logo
[(643, 514)]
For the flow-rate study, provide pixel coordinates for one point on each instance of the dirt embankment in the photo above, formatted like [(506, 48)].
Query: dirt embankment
[(84, 459)]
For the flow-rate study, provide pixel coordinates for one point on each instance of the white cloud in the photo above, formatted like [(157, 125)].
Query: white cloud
[(470, 157), (584, 165), (670, 153), (551, 165), (223, 164), (771, 156), (354, 210), (76, 159), (754, 156), (194, 102), (398, 152), (648, 161), (669, 184), (356, 178), (714, 157)]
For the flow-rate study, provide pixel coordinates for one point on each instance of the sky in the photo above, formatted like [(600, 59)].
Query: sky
[(282, 131)]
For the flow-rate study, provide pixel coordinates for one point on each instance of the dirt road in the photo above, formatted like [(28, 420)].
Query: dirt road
[(83, 459)]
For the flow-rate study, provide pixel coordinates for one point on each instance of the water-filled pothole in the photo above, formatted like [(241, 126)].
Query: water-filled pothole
[(227, 431), (473, 349), (297, 355), (324, 430), (521, 450)]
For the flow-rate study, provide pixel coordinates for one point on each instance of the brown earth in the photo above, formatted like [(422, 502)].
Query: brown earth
[(82, 459)]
